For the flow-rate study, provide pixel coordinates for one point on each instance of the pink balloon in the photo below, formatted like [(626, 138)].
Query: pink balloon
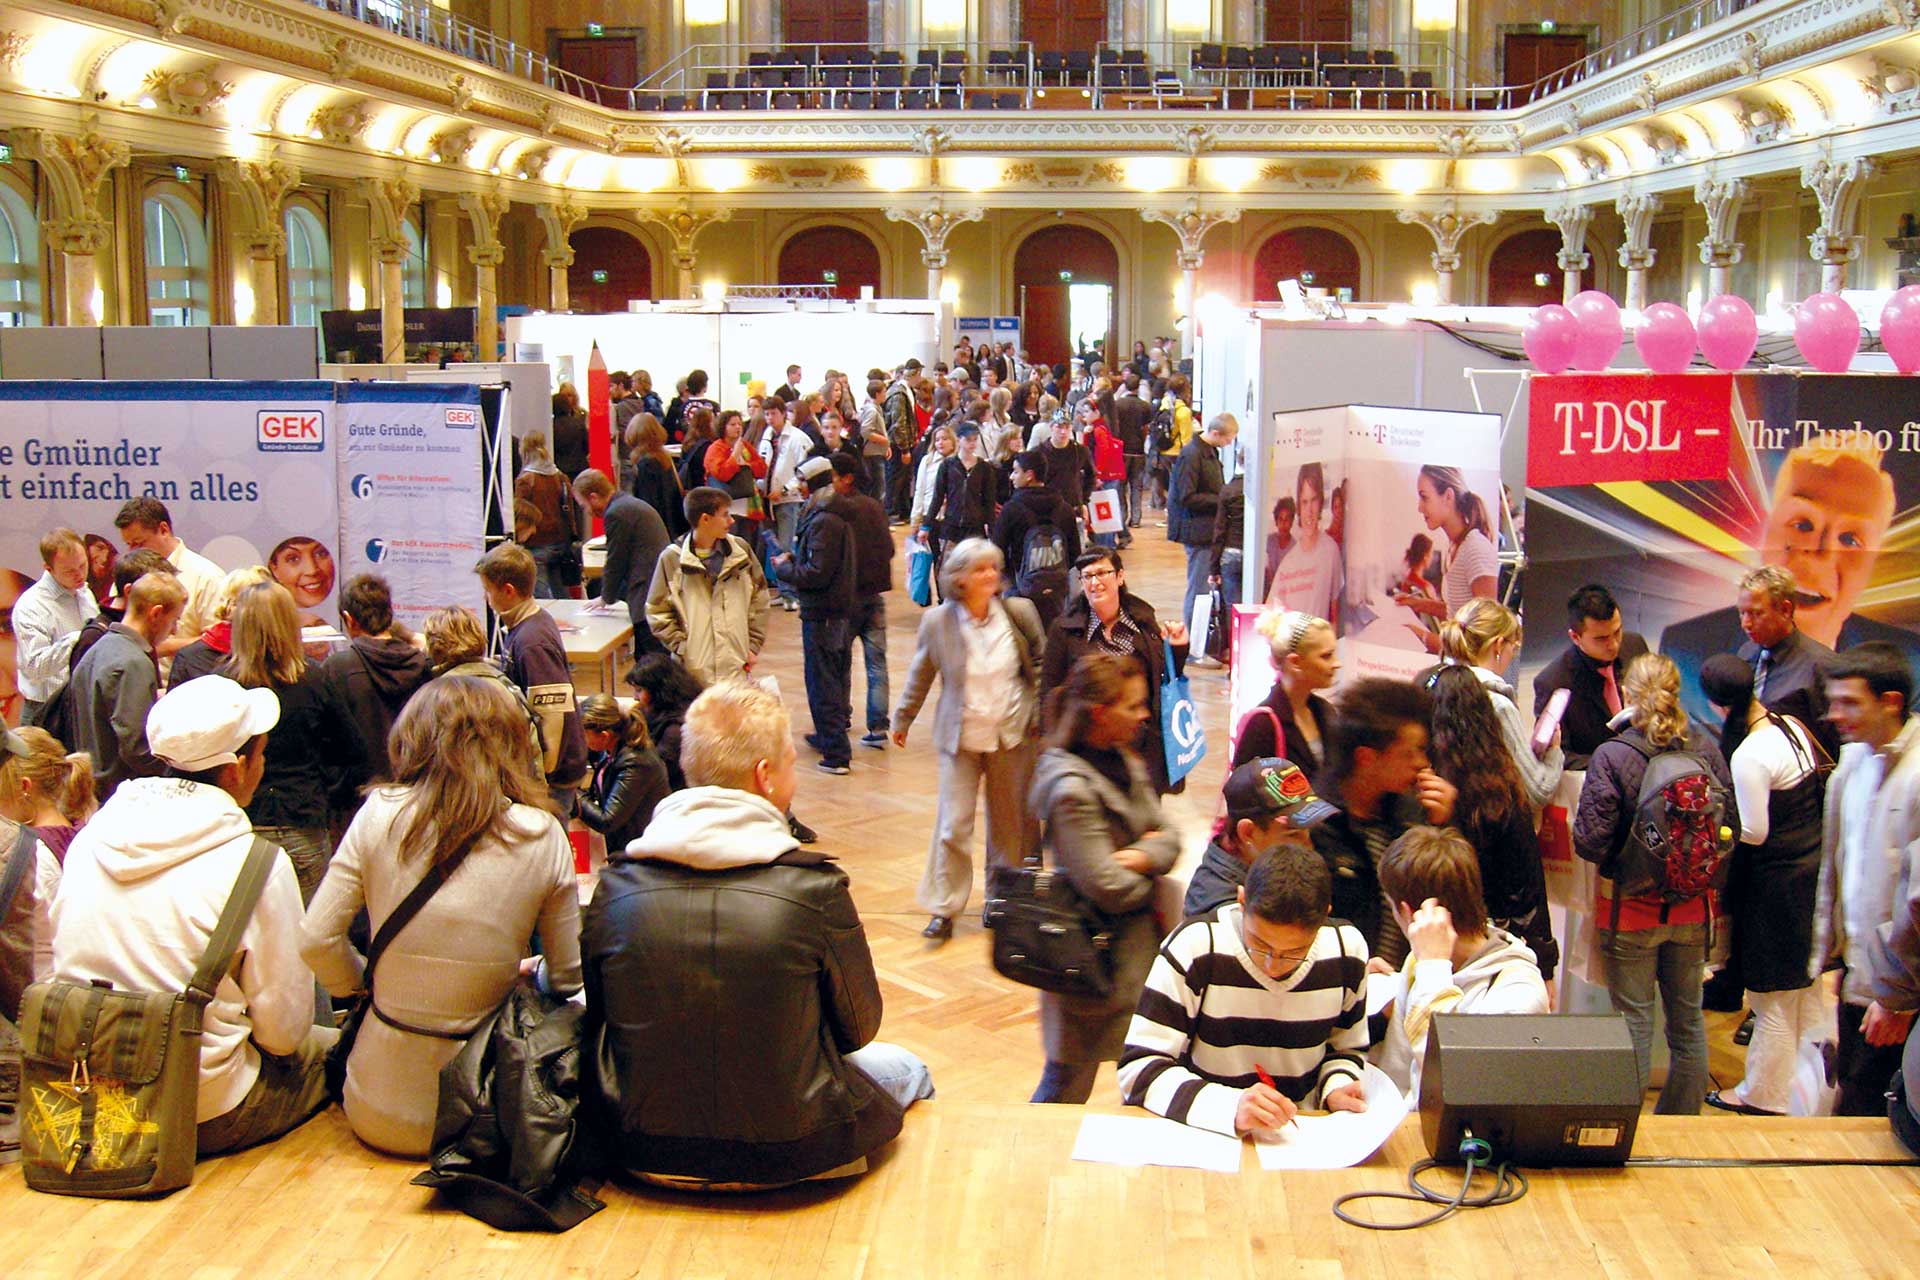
[(1665, 338), (1549, 337), (1728, 332), (1600, 330), (1900, 328), (1827, 331)]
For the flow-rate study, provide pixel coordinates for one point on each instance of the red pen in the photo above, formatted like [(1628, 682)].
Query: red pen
[(1267, 1080)]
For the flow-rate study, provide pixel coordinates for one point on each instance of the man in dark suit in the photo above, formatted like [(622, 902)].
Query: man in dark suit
[(1590, 670), (636, 535)]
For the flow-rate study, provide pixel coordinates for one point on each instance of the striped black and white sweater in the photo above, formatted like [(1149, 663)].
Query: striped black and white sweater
[(1209, 1019)]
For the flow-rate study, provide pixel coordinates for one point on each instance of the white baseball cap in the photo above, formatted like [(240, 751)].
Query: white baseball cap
[(199, 725)]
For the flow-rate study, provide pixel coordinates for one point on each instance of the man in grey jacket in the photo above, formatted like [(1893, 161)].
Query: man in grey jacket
[(708, 602), (116, 684), (1865, 920), (636, 535), (1193, 504)]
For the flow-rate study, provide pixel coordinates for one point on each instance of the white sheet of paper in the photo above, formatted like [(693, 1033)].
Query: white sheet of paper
[(1383, 989), (1339, 1139), (1138, 1140)]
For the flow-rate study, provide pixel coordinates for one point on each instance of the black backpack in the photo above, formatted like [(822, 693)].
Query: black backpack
[(1043, 571), (1160, 432)]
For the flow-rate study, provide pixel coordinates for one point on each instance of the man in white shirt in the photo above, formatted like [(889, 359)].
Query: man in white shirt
[(165, 852), (48, 616), (144, 522), (785, 447), (1863, 920)]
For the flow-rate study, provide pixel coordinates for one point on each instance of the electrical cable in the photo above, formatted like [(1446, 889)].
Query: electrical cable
[(1509, 1185), (1768, 1162)]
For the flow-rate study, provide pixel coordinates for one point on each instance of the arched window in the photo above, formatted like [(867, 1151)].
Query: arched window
[(1318, 257), (840, 256), (19, 262), (611, 267), (176, 263), (413, 274), (1524, 270), (309, 268)]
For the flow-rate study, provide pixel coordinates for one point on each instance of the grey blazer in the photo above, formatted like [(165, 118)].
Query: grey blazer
[(942, 650)]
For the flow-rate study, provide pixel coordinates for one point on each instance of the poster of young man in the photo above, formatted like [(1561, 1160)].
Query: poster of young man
[(1669, 489)]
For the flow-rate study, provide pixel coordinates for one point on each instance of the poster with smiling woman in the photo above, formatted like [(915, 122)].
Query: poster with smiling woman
[(1687, 482)]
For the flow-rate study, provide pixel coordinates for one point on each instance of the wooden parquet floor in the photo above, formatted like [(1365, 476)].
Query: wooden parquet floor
[(978, 1032)]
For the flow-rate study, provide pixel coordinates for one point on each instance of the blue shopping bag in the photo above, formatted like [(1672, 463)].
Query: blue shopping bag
[(920, 573), (1180, 731)]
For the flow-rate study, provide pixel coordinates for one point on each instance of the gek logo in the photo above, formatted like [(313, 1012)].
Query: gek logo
[(290, 431), (463, 417)]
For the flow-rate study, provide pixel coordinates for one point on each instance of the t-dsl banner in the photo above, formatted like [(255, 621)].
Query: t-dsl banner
[(411, 469), (1621, 427)]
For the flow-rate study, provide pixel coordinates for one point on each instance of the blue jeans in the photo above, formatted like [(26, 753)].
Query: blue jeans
[(1673, 956), (898, 1072), (827, 652), (1231, 564), (876, 465), (786, 518), (1133, 493), (1199, 569), (870, 625)]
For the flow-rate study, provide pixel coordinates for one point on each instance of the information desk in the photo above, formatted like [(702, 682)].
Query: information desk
[(988, 1189), (600, 650)]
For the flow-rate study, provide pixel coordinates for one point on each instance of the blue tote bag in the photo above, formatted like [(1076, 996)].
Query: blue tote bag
[(1180, 731), (920, 573)]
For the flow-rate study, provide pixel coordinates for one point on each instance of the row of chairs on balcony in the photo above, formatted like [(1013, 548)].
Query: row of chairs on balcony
[(952, 99)]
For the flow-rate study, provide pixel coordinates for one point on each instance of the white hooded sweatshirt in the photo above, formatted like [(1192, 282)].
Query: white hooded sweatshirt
[(142, 889), (1503, 976), (715, 829)]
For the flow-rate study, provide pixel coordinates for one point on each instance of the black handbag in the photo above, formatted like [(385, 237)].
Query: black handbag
[(1045, 934), (336, 1063)]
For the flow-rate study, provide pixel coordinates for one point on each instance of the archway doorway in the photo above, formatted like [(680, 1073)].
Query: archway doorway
[(1065, 280), (610, 268), (1318, 257), (842, 257), (1524, 270)]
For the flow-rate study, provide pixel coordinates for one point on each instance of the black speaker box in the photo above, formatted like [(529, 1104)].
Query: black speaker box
[(1540, 1090)]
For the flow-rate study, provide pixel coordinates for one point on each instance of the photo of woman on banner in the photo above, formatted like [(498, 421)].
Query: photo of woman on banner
[(101, 555), (1470, 568), (304, 566), (1310, 577), (12, 584)]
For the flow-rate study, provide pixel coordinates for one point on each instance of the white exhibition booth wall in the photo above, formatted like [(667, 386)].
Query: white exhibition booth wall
[(319, 481), (746, 341)]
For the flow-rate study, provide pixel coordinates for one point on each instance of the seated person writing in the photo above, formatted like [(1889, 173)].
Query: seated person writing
[(1459, 962), (731, 994), (1256, 1010)]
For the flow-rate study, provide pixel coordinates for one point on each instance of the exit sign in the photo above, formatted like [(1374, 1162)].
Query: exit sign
[(6, 154), (599, 277), (595, 29), (1066, 277), (830, 276), (180, 173)]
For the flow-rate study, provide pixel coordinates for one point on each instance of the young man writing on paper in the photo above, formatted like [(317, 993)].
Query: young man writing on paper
[(1255, 1010)]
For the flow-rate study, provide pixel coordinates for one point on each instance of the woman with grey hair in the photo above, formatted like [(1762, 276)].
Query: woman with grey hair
[(986, 649)]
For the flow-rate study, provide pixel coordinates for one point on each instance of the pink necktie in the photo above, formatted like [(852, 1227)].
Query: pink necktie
[(1612, 690)]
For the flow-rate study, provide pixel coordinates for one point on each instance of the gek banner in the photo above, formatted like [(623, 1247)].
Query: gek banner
[(410, 474), (1668, 488), (244, 470)]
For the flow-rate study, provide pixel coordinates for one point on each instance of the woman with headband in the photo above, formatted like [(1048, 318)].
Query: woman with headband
[(1295, 720)]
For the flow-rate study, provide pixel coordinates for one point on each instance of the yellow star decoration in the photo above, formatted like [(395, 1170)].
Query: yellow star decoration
[(118, 1124)]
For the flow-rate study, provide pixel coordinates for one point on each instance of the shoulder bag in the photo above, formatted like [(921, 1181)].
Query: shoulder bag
[(1045, 934), (390, 928), (111, 1085)]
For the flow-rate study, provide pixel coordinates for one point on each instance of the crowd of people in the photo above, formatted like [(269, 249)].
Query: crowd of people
[(1389, 828)]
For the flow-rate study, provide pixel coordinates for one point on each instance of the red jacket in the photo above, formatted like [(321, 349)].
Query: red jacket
[(1109, 457)]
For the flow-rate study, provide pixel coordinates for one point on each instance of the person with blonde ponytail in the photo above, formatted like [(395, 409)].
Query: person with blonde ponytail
[(1472, 564), (1655, 942), (45, 791), (1484, 637)]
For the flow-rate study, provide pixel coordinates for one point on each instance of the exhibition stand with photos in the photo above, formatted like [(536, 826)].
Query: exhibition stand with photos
[(319, 481), (738, 341)]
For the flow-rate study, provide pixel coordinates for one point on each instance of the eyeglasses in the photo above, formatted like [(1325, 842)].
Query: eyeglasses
[(1272, 959), (1095, 574)]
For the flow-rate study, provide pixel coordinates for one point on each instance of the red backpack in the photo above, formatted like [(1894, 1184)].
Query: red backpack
[(1677, 840)]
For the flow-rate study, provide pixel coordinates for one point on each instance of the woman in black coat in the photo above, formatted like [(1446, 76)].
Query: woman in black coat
[(1104, 617), (964, 490), (628, 776), (664, 690), (654, 479)]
